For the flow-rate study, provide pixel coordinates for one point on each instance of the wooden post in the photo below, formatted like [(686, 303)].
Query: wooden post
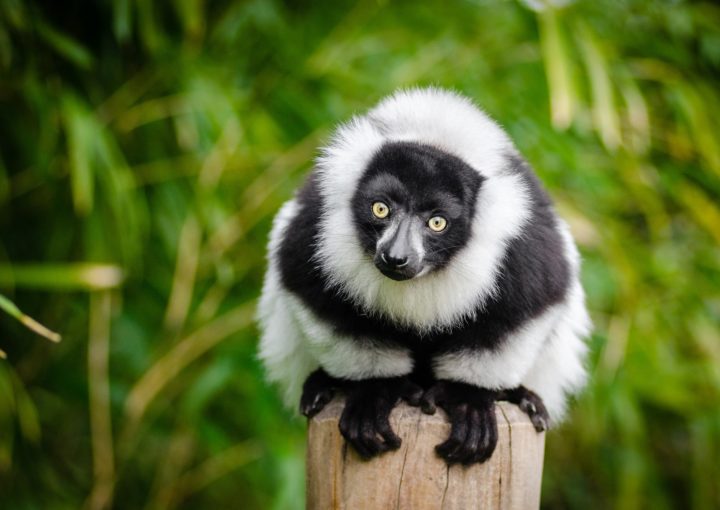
[(414, 477)]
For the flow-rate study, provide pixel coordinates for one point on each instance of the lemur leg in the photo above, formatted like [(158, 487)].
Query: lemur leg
[(473, 427), (530, 403), (365, 421), (318, 390)]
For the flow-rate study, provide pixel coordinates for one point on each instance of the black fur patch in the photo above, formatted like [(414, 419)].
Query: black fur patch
[(534, 273)]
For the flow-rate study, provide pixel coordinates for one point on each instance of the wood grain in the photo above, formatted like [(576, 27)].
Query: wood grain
[(414, 477)]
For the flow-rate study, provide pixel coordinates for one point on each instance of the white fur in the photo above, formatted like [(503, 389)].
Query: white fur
[(558, 370), (282, 348), (506, 367), (450, 122), (346, 357)]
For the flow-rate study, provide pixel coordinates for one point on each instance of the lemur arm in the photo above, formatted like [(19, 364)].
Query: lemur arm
[(470, 380), (372, 376)]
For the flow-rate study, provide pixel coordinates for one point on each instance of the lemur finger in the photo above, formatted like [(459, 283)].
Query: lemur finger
[(412, 393), (533, 405), (431, 398), (359, 448), (468, 448), (349, 428), (489, 436), (472, 442), (458, 433), (319, 400), (383, 427), (538, 416), (368, 434), (353, 439)]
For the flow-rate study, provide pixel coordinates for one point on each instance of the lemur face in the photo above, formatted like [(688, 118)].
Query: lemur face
[(413, 208)]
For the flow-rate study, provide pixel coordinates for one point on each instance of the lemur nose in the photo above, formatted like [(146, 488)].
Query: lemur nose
[(394, 261)]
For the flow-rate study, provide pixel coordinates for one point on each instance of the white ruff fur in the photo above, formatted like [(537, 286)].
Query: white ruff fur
[(449, 122), (545, 354)]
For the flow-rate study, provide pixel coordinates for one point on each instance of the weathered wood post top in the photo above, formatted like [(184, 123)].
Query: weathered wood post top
[(414, 477)]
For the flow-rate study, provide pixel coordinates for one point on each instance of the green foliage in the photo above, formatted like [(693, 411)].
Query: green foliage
[(146, 146)]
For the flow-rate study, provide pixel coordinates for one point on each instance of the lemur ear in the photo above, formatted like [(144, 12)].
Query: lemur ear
[(474, 181)]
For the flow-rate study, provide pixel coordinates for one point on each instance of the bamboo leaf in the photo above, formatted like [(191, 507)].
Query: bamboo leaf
[(65, 45), (214, 468), (704, 210), (81, 276), (10, 308), (80, 134), (98, 357), (122, 19), (638, 117), (703, 130), (181, 292), (558, 69), (605, 115), (191, 14)]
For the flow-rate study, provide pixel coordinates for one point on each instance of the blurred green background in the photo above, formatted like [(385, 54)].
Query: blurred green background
[(146, 145)]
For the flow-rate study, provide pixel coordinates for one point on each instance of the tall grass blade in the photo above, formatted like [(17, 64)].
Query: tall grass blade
[(179, 357), (10, 308), (558, 69), (78, 276), (605, 114), (101, 495)]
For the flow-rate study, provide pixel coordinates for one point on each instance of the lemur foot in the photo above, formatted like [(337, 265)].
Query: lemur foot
[(531, 404), (473, 427), (365, 421), (318, 391)]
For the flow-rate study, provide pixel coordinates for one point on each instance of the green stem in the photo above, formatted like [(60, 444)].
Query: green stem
[(26, 320)]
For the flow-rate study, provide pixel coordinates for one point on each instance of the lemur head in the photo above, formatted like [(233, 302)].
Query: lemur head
[(413, 208), (424, 176)]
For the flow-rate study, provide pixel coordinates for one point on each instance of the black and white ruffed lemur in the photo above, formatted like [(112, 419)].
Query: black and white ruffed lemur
[(422, 260)]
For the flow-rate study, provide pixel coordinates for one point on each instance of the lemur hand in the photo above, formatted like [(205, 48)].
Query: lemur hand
[(471, 410), (318, 391), (531, 404), (365, 420)]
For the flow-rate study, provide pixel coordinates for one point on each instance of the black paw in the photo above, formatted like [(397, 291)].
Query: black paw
[(318, 391), (365, 421), (473, 427), (531, 404)]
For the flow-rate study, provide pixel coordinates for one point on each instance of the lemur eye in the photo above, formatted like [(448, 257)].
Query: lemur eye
[(380, 210), (437, 223)]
